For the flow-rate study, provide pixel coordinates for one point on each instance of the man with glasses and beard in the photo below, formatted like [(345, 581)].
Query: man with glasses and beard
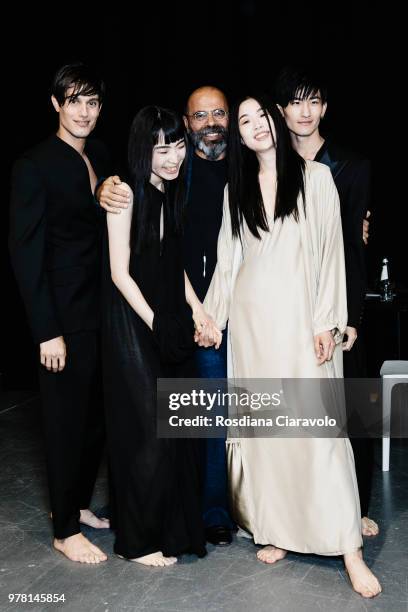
[(206, 121)]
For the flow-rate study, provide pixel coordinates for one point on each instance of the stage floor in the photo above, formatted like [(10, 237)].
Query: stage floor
[(228, 579)]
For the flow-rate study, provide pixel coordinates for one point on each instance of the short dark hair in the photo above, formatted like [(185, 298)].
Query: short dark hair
[(298, 82), (85, 80)]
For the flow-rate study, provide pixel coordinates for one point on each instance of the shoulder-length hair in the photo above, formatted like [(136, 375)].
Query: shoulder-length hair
[(151, 126), (245, 198)]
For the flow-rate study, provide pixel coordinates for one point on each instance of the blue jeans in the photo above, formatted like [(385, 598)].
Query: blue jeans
[(212, 363)]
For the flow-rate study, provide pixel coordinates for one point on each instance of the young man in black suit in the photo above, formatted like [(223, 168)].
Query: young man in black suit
[(55, 246), (302, 99)]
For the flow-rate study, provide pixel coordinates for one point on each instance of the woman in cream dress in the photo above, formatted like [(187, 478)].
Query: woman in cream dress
[(280, 283)]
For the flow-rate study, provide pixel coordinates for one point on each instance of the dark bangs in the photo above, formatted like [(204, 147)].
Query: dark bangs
[(167, 125), (305, 91), (85, 80), (298, 83), (83, 88)]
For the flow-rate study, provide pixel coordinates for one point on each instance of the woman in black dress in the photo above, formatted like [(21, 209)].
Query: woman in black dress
[(148, 330)]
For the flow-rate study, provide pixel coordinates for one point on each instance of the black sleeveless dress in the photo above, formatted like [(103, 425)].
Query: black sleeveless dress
[(155, 482)]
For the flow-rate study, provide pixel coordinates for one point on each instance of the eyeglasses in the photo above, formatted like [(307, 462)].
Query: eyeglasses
[(218, 114)]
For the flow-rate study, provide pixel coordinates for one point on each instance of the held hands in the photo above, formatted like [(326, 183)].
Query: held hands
[(53, 354), (206, 332), (113, 195), (351, 334), (324, 345)]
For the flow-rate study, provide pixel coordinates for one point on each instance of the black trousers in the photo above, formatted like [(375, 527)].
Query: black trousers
[(354, 363), (73, 419)]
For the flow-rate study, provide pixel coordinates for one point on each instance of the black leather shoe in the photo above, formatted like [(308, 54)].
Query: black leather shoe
[(218, 535)]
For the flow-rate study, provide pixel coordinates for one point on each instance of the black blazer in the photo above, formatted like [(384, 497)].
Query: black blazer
[(352, 176), (55, 237)]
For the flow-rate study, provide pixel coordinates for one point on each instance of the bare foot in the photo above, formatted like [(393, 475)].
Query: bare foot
[(87, 517), (156, 559), (79, 548), (362, 579), (369, 527), (271, 554)]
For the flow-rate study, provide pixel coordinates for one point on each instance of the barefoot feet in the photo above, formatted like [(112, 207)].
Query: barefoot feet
[(89, 518), (362, 579), (271, 554), (156, 559), (79, 548), (369, 527)]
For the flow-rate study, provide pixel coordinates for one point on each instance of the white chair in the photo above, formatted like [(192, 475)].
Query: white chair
[(392, 373)]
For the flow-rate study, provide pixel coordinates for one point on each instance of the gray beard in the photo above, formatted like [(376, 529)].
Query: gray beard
[(211, 151)]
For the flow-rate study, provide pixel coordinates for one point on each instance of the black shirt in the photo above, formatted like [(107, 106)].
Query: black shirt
[(203, 220), (55, 231)]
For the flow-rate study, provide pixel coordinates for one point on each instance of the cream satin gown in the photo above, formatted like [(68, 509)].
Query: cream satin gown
[(277, 293)]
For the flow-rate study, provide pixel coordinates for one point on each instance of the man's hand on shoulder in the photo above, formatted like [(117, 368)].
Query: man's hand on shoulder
[(112, 195)]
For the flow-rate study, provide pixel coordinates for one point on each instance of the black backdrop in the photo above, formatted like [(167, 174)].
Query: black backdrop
[(153, 55)]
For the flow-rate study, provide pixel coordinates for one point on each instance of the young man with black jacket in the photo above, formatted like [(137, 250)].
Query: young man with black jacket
[(55, 247)]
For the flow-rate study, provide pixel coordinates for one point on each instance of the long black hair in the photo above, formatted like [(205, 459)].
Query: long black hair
[(151, 125), (245, 198)]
